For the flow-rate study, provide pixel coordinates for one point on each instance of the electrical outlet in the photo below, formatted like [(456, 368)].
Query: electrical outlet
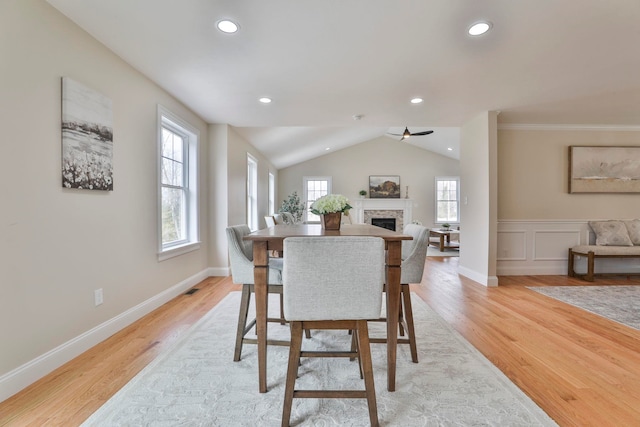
[(98, 297)]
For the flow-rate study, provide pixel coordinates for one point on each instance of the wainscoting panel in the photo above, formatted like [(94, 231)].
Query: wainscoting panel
[(538, 247), (512, 245), (552, 245)]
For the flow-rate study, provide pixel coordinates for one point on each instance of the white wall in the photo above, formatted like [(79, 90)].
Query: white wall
[(58, 245), (350, 169), (478, 182)]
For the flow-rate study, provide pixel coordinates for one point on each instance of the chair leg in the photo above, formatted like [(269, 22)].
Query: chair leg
[(242, 320), (355, 349), (367, 367), (282, 321), (292, 371), (408, 314)]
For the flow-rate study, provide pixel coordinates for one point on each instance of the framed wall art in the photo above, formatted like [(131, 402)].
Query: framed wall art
[(87, 138), (384, 186), (599, 169)]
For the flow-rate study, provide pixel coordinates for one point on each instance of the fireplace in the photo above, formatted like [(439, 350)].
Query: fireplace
[(388, 223), (364, 210)]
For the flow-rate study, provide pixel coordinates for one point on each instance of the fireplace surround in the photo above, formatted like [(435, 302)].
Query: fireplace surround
[(366, 209)]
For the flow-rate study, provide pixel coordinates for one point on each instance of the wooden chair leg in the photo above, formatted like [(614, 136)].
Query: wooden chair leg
[(355, 349), (292, 371), (282, 321), (408, 314), (367, 367), (242, 320)]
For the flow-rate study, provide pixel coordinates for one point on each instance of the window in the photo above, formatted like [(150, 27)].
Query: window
[(272, 194), (252, 192), (315, 187), (447, 199), (177, 188)]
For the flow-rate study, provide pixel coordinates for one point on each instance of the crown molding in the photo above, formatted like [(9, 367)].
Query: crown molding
[(607, 128)]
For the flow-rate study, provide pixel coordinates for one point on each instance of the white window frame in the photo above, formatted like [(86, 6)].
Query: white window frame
[(252, 192), (446, 178), (272, 194), (191, 136), (305, 199)]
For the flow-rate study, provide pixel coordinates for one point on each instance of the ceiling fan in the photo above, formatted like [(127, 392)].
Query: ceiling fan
[(406, 134)]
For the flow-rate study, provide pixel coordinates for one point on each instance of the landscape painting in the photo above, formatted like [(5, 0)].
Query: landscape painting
[(384, 186), (604, 169), (87, 138)]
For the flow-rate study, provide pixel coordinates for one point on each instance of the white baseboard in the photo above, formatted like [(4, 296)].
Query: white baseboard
[(219, 271), (14, 381), (488, 281)]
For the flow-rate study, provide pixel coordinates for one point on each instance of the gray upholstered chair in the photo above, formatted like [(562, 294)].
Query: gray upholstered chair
[(332, 283), (414, 255), (241, 259)]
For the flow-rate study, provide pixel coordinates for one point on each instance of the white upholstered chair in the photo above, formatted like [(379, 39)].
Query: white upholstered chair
[(241, 259), (269, 221), (278, 218), (332, 283)]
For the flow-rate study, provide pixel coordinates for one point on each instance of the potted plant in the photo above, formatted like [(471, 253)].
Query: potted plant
[(294, 206), (362, 193), (446, 226), (330, 209)]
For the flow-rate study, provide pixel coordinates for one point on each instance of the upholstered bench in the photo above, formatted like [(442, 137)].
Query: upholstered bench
[(614, 239)]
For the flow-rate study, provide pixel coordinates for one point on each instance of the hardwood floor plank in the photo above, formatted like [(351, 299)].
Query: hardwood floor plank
[(582, 369)]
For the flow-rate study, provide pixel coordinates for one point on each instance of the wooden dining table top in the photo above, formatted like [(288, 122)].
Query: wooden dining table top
[(275, 235)]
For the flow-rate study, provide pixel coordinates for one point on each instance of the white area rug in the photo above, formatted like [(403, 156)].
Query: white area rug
[(617, 303), (197, 383)]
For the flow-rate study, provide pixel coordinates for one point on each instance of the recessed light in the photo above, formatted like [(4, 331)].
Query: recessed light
[(227, 26), (449, 149), (265, 100), (479, 28), (417, 100), (327, 149)]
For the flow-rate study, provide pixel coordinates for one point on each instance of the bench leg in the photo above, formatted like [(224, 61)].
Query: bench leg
[(570, 271), (590, 266)]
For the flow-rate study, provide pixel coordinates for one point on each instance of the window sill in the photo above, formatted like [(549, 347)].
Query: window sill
[(178, 250)]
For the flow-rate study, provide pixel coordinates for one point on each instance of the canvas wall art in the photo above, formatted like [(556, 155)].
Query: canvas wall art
[(384, 186), (87, 138), (604, 169)]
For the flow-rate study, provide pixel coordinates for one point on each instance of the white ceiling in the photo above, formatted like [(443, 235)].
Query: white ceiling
[(544, 62)]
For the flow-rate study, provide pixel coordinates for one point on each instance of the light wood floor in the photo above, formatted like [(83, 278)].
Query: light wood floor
[(583, 370)]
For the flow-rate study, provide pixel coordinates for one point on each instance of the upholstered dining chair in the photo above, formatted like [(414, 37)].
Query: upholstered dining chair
[(288, 218), (269, 221), (241, 259), (414, 255), (332, 283), (278, 218)]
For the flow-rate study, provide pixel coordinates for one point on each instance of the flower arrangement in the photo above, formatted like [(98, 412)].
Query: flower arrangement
[(330, 203)]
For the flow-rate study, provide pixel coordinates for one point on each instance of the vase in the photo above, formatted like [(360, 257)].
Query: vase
[(331, 221)]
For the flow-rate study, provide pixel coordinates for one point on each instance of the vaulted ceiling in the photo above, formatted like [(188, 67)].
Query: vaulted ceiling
[(543, 62)]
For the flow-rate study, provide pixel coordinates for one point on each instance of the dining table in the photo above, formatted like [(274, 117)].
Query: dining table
[(272, 238)]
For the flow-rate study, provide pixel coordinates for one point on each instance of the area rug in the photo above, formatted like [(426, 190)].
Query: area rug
[(196, 383), (617, 303), (433, 251)]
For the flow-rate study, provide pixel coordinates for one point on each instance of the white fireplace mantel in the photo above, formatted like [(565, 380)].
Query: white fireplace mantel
[(361, 205)]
